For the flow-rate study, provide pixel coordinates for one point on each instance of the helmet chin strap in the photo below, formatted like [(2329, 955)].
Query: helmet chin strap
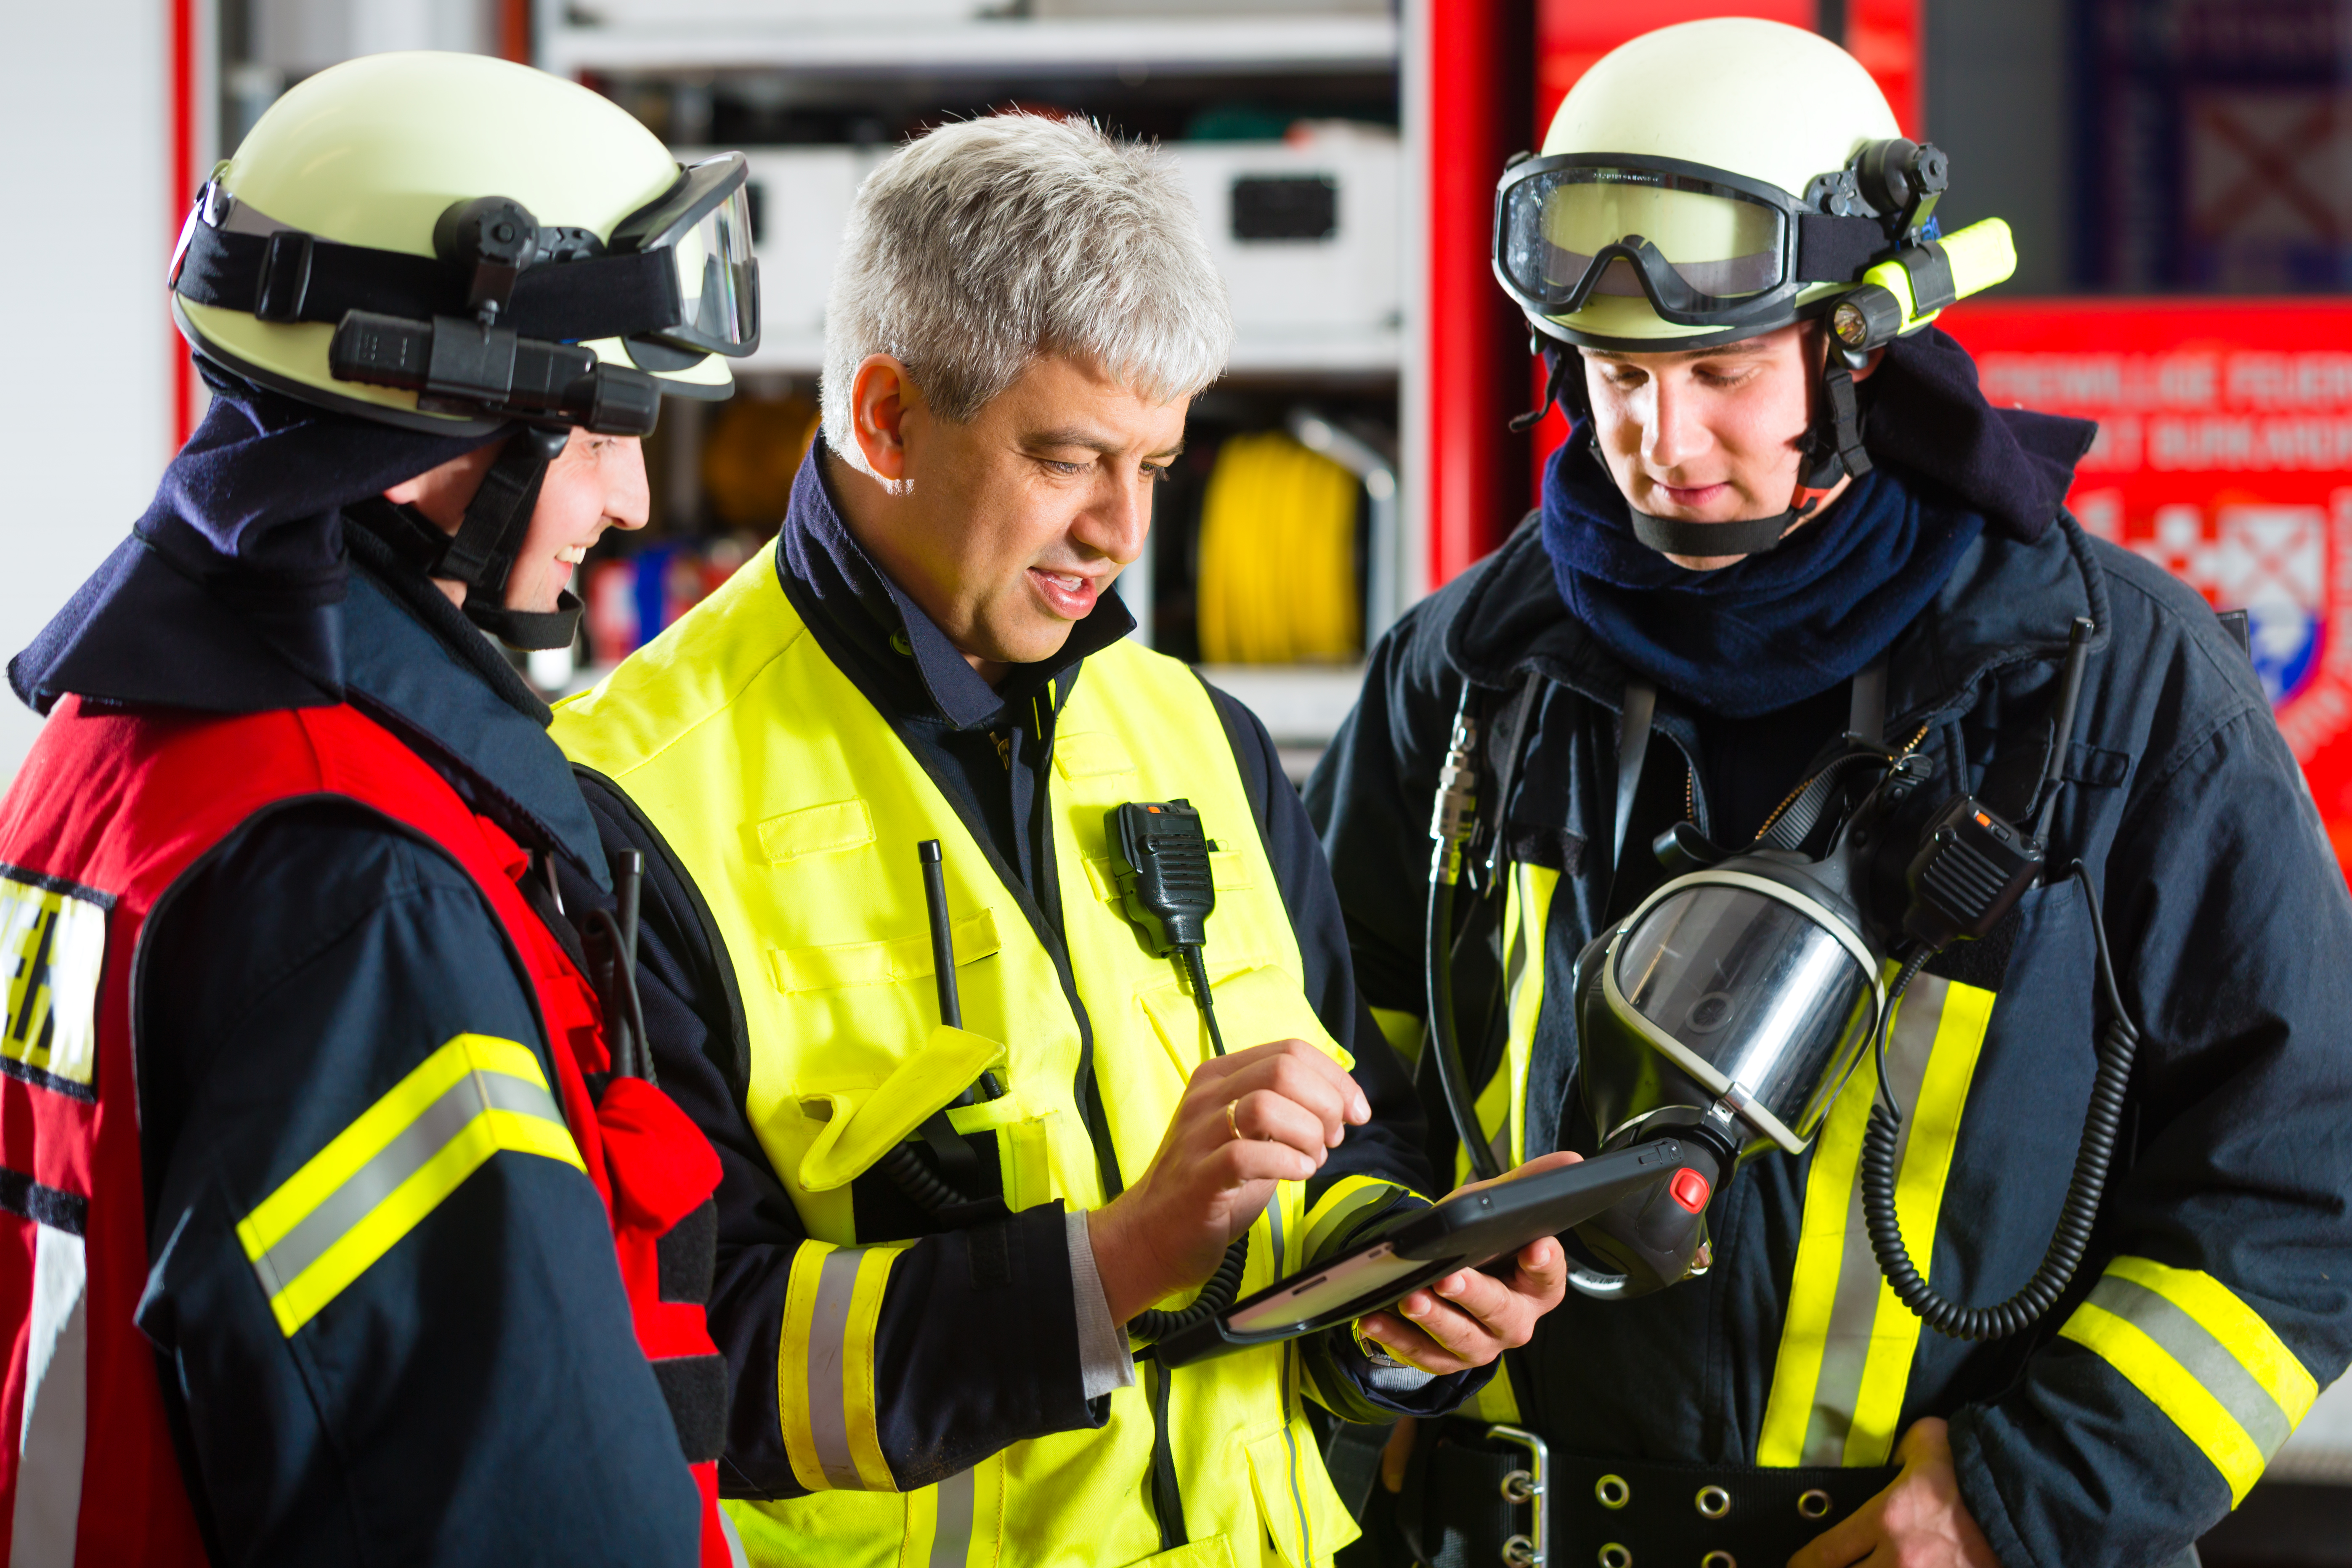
[(1831, 450), (481, 553)]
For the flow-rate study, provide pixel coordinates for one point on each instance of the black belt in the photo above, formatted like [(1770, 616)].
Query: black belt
[(1472, 1496)]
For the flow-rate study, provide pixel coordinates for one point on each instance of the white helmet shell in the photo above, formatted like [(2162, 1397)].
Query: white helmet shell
[(1759, 99), (372, 152)]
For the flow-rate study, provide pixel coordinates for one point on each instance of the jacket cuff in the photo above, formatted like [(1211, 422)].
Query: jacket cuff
[(1104, 1363)]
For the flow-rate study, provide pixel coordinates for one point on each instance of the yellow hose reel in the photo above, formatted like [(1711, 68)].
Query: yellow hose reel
[(1278, 563)]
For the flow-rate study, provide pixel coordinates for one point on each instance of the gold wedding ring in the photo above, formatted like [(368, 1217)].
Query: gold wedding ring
[(1232, 1120)]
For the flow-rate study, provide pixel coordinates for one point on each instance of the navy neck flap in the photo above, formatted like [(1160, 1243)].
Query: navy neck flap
[(1771, 630), (1780, 627), (226, 596)]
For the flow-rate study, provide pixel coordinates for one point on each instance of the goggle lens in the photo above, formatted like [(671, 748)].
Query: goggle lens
[(1720, 243), (717, 279)]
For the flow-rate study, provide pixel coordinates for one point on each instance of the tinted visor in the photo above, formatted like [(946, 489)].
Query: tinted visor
[(1760, 993), (703, 224), (1704, 244)]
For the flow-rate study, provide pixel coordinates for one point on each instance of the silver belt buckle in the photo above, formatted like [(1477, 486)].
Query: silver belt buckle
[(1527, 1487)]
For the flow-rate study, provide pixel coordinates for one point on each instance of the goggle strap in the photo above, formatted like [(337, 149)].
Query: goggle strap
[(1839, 249), (290, 277)]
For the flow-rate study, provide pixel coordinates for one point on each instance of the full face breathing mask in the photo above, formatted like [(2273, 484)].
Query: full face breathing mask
[(1728, 1009)]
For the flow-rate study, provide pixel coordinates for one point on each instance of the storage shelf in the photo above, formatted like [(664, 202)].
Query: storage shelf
[(1225, 45)]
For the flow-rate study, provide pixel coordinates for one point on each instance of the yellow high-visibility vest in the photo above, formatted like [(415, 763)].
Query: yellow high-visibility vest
[(796, 810)]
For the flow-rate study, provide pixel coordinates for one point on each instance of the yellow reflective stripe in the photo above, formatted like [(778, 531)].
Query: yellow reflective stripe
[(2239, 1328), (1401, 1030), (1847, 1344), (1812, 1284), (825, 1395), (354, 1200), (1527, 917), (2203, 1357), (1932, 1133), (2172, 1390), (1347, 1197), (792, 1391), (1499, 1113), (861, 1419)]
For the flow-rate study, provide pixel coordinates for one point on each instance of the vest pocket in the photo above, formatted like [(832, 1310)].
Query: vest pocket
[(906, 958), (1216, 1551), (1253, 1006), (814, 830), (1303, 1514), (865, 1124)]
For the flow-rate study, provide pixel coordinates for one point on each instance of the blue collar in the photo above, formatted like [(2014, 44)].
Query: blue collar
[(885, 641), (489, 743)]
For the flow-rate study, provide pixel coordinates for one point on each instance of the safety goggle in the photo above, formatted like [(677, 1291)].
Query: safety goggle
[(677, 280), (1706, 247), (703, 225)]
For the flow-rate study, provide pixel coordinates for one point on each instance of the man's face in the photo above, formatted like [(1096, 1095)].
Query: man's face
[(1706, 434), (1009, 529)]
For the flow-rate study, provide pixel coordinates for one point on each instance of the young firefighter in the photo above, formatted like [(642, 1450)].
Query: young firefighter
[(925, 1337), (1788, 530), (343, 1223)]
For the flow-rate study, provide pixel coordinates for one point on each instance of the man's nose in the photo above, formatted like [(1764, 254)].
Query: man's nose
[(1673, 435), (1118, 521)]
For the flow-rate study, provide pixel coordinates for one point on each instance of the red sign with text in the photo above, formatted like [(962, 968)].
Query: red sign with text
[(2224, 454)]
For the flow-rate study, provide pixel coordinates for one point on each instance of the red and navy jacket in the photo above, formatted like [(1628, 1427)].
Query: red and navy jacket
[(330, 1240)]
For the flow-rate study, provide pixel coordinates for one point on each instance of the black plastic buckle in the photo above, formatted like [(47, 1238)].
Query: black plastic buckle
[(285, 280)]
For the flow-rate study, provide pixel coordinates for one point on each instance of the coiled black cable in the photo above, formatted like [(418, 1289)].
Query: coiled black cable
[(2118, 1044), (916, 1181), (1157, 1323)]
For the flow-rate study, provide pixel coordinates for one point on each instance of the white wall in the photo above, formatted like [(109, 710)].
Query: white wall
[(85, 425)]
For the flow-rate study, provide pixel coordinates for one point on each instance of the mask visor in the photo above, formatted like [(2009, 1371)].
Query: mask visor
[(1755, 991), (1695, 246)]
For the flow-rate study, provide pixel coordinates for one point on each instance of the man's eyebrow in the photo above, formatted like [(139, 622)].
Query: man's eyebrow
[(1088, 441), (1745, 346)]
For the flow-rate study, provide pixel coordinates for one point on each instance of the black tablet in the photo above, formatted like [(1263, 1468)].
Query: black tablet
[(1464, 1231)]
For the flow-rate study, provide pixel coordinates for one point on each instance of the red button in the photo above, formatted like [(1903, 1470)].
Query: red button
[(1689, 1189)]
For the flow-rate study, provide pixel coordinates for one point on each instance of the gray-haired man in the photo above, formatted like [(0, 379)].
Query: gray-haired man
[(930, 1237)]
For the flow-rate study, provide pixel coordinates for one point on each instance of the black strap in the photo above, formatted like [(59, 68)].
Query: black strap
[(290, 275), (483, 551), (1678, 536), (1866, 712), (1504, 750), (1838, 250), (529, 629), (1453, 1512), (1930, 271)]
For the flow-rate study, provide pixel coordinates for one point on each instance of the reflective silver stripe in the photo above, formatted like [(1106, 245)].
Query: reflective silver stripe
[(2201, 1356), (951, 1538), (736, 1556), (1853, 1312), (57, 1406), (406, 1154), (828, 1399)]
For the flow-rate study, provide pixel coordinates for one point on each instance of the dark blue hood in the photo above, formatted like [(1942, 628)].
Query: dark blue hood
[(227, 595)]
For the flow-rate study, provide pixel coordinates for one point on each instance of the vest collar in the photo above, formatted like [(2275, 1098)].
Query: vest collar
[(885, 641), (487, 738)]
